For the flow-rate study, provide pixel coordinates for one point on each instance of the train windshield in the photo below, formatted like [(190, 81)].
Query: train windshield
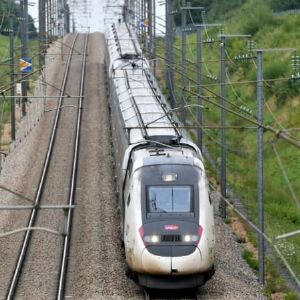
[(169, 199)]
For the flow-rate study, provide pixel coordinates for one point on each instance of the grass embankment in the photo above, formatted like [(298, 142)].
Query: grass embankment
[(281, 110), (5, 103), (4, 84)]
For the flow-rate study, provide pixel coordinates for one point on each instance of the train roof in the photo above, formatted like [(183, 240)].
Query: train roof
[(122, 42), (144, 157), (144, 110)]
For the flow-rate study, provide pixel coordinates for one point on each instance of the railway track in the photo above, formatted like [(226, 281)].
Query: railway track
[(63, 211)]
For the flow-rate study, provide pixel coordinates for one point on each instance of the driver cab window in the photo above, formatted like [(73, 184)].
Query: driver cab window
[(169, 199)]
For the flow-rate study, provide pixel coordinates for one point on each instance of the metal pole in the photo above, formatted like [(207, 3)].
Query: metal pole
[(154, 37), (23, 54), (47, 22), (54, 17), (171, 57), (168, 45), (150, 29), (183, 56), (261, 253), (135, 13), (42, 32), (143, 20), (26, 25), (199, 89), (50, 21), (139, 19), (12, 78), (66, 18), (73, 24), (129, 12), (223, 132), (146, 28), (24, 51), (169, 50), (62, 43)]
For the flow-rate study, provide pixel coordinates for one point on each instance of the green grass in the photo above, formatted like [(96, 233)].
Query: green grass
[(5, 72), (249, 258), (5, 56)]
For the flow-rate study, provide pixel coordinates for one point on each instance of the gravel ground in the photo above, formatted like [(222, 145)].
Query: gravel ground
[(45, 250), (96, 264), (20, 172), (96, 267), (233, 279)]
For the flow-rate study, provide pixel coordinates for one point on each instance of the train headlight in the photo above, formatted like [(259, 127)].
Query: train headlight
[(169, 177), (152, 238), (190, 238)]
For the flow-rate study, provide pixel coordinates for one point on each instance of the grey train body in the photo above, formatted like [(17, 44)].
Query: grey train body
[(166, 214)]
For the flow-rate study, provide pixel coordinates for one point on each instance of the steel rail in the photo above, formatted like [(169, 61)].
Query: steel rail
[(24, 247), (66, 242)]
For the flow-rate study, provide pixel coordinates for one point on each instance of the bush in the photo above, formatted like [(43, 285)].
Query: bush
[(274, 70), (254, 15), (279, 5), (284, 91), (291, 296), (248, 257)]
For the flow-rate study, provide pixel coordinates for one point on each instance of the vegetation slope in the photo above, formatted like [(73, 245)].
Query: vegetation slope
[(270, 26)]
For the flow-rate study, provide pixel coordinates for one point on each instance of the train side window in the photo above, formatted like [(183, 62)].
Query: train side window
[(127, 183), (129, 167), (128, 200)]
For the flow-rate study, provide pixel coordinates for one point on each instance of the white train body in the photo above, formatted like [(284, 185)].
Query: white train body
[(166, 213)]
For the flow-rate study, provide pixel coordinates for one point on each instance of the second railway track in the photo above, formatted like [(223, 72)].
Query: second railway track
[(40, 268)]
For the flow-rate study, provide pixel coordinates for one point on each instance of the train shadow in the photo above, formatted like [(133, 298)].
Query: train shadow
[(170, 294)]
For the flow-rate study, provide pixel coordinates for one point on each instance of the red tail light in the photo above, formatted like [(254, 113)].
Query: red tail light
[(141, 231), (200, 231)]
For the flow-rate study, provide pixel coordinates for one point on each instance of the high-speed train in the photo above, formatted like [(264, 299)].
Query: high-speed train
[(167, 221)]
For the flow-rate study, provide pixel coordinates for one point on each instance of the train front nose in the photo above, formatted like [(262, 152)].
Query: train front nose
[(171, 260), (171, 248)]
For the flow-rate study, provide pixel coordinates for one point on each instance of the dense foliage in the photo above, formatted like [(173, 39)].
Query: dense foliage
[(221, 10), (279, 5), (8, 7)]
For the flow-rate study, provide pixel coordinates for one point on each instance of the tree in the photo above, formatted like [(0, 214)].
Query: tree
[(216, 10), (193, 16), (279, 5), (9, 7)]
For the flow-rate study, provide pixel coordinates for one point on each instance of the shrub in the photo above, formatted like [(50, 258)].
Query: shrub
[(252, 262), (274, 70), (279, 5), (258, 15)]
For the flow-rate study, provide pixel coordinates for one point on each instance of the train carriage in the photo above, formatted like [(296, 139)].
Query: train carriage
[(166, 213)]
